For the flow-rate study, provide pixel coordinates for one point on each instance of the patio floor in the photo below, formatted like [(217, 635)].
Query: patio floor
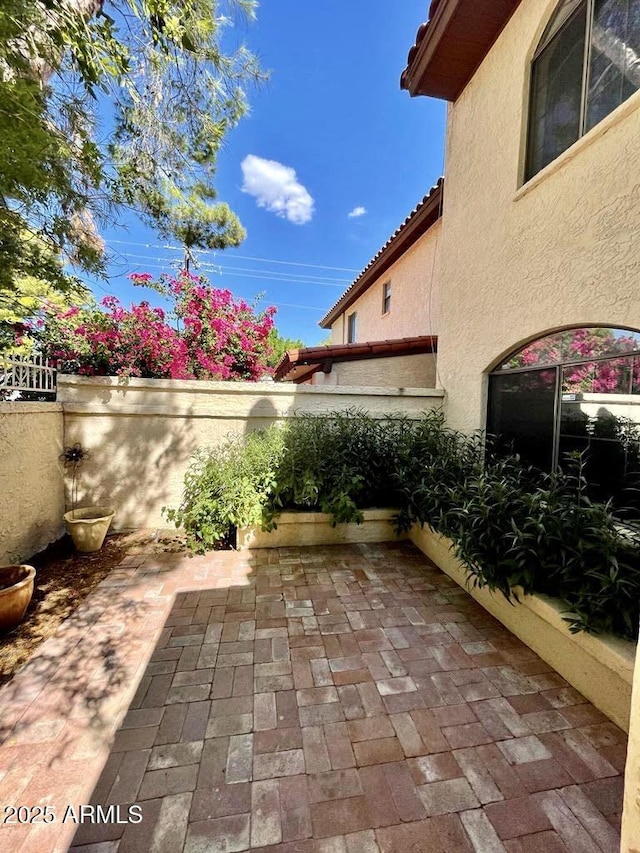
[(345, 699)]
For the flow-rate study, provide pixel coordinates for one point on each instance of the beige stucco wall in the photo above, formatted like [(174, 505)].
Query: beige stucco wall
[(405, 371), (414, 297), (142, 434), (518, 262), (31, 483), (631, 814)]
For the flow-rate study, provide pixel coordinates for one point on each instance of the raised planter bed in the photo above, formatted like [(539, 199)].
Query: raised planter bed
[(314, 528), (600, 667)]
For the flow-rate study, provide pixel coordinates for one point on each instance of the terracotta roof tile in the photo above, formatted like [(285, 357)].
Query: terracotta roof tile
[(361, 283), (313, 358)]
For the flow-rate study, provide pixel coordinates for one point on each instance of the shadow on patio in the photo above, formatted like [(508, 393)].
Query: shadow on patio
[(346, 698)]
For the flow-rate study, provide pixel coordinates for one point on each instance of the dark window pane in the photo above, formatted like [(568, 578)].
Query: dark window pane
[(556, 94), (614, 72), (604, 425), (521, 414)]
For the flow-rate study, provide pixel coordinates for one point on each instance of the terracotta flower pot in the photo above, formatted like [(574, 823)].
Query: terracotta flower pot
[(88, 525), (16, 589)]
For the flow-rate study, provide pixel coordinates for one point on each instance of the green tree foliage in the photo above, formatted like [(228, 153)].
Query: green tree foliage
[(33, 298), (280, 345), (171, 90)]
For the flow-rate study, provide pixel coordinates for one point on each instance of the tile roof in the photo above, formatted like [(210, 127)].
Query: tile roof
[(300, 364), (422, 217)]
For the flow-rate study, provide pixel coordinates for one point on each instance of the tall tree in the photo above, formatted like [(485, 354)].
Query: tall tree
[(171, 80)]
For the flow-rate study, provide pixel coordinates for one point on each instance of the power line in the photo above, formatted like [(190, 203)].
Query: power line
[(284, 276), (240, 257), (258, 275)]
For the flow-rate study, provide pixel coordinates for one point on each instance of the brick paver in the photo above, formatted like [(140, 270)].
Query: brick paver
[(301, 700)]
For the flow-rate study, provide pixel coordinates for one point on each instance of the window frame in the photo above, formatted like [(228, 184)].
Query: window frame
[(386, 298), (558, 366), (545, 42), (352, 328)]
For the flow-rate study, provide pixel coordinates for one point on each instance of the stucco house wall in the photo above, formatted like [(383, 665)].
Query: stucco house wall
[(519, 261), (414, 297), (405, 371)]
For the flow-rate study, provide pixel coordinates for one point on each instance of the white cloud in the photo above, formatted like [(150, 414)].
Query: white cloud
[(357, 212), (276, 188)]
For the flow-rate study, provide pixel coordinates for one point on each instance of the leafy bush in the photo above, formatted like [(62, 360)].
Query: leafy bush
[(227, 486), (339, 464), (511, 526)]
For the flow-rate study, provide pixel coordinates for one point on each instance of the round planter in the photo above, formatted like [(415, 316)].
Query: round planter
[(88, 526), (16, 589)]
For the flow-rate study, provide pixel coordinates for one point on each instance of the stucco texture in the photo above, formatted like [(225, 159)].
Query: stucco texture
[(631, 814), (32, 493), (141, 435), (404, 371), (414, 297), (519, 262)]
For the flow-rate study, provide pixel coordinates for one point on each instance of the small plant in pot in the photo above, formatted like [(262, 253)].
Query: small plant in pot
[(87, 525)]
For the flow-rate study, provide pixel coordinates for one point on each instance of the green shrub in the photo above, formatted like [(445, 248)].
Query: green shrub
[(228, 486), (511, 526), (339, 464)]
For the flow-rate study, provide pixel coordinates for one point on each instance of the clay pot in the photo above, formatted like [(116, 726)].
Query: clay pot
[(88, 525), (16, 589)]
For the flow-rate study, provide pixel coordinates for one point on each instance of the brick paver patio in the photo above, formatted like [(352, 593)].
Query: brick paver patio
[(344, 699)]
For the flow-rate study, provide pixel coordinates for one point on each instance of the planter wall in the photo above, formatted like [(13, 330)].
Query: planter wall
[(314, 528), (600, 667)]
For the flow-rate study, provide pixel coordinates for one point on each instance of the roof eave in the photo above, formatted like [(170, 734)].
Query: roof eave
[(315, 358), (450, 47), (408, 234)]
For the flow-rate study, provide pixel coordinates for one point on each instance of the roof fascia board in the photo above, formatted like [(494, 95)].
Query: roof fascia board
[(437, 29)]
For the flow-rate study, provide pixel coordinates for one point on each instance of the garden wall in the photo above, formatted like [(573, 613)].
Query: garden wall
[(142, 433), (31, 481)]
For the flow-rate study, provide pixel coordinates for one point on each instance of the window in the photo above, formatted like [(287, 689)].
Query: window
[(587, 64), (575, 391), (351, 328), (386, 297)]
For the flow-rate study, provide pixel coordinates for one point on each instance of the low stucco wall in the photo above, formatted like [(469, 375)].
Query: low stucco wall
[(31, 483), (631, 813), (142, 434), (314, 528), (601, 668)]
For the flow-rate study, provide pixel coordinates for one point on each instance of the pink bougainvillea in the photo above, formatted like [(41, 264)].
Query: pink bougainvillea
[(216, 336), (578, 345)]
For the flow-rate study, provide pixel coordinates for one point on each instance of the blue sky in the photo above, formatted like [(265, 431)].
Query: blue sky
[(329, 134)]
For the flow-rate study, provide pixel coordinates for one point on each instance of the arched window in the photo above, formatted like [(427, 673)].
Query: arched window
[(587, 64), (575, 390)]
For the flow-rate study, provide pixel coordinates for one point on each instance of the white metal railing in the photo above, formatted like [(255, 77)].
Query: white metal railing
[(20, 375)]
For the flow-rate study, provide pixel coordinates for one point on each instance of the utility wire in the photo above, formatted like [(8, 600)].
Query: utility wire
[(240, 257)]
